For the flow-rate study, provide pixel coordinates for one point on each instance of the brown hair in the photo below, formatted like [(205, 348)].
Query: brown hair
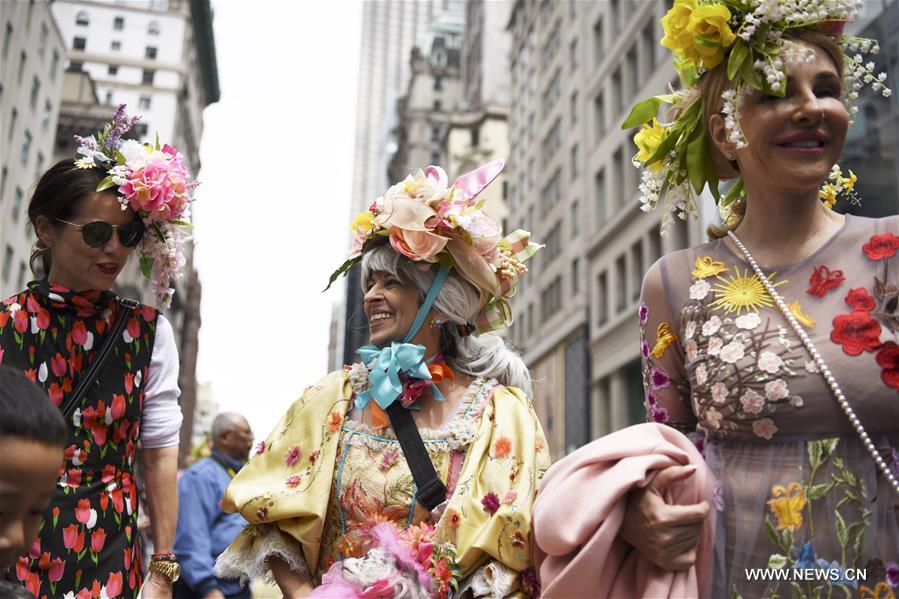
[(711, 87), (56, 196)]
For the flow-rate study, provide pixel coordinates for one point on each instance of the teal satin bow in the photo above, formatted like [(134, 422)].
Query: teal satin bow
[(384, 376)]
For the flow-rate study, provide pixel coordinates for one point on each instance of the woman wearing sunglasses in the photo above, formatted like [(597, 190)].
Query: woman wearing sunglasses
[(110, 365)]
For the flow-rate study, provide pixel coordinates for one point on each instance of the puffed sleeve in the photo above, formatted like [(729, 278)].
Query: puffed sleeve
[(283, 490), (161, 415), (489, 515), (663, 353)]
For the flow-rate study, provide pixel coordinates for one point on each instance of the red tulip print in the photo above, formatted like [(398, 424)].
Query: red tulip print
[(98, 540), (57, 567), (58, 365), (114, 585), (83, 511), (69, 536)]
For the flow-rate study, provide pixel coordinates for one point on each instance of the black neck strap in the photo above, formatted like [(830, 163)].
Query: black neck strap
[(431, 491)]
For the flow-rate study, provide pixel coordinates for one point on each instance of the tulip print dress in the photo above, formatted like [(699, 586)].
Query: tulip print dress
[(796, 488), (88, 543)]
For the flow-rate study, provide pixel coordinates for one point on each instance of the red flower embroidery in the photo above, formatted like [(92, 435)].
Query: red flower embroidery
[(881, 247), (490, 503), (888, 359), (823, 280), (856, 332), (860, 299)]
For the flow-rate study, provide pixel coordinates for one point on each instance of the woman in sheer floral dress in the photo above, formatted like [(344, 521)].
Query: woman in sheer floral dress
[(796, 487)]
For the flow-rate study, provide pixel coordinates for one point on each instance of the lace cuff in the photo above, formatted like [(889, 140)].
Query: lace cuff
[(251, 561), (494, 579)]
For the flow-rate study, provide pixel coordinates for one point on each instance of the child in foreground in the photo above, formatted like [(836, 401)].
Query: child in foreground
[(32, 442)]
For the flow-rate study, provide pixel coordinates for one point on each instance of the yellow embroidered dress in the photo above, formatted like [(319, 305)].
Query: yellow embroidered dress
[(321, 477), (797, 490)]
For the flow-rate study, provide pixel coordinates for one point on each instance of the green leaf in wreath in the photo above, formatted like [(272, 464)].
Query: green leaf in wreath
[(642, 112), (751, 76), (346, 266), (146, 266), (105, 184), (738, 56), (696, 157)]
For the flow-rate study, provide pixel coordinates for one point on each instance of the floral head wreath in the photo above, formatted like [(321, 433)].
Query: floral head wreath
[(748, 37), (428, 221), (153, 181)]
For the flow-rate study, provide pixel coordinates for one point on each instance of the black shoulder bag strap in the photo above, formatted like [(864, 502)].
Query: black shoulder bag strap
[(431, 491), (90, 375)]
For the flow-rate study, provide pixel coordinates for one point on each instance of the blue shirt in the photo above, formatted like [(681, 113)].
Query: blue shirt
[(204, 530)]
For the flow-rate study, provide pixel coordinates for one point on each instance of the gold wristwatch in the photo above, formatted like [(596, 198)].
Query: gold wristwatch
[(166, 564)]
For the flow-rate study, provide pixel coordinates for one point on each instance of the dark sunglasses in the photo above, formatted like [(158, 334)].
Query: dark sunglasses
[(97, 233)]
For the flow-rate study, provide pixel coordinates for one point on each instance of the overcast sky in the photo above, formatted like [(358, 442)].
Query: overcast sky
[(273, 210)]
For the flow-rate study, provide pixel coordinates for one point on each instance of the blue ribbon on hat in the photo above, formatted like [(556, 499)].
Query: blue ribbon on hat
[(385, 385)]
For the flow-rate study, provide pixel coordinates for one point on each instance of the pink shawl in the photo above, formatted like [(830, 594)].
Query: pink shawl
[(580, 508)]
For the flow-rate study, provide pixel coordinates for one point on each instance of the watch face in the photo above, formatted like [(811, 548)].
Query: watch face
[(176, 572)]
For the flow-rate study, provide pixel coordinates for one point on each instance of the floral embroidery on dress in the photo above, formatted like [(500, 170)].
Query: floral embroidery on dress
[(664, 338), (705, 267), (823, 280)]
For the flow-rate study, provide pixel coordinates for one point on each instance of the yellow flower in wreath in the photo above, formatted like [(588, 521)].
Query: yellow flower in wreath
[(364, 222), (787, 504), (647, 140), (676, 23), (711, 33)]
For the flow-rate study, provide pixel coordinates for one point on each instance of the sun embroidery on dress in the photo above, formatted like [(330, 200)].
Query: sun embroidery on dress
[(706, 267), (742, 292), (665, 337)]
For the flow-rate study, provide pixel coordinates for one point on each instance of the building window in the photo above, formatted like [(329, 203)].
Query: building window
[(108, 98), (601, 203), (435, 157), (140, 130), (54, 64), (655, 248), (620, 284), (575, 276), (118, 23), (148, 77), (23, 57), (45, 35), (602, 299), (633, 71), (530, 312), (438, 83), (20, 281), (615, 7), (475, 137), (17, 204), (153, 28), (617, 93), (7, 262), (435, 134), (35, 92), (575, 217), (7, 40), (14, 115), (599, 42), (3, 181), (45, 118), (573, 108), (76, 65), (636, 270), (551, 299), (438, 107), (551, 194), (39, 165), (572, 49), (150, 53), (82, 18), (79, 43), (144, 103), (599, 117), (575, 169), (649, 46), (618, 163), (553, 243), (115, 45), (26, 147), (113, 69)]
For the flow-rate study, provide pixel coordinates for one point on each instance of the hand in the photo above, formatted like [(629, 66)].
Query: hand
[(667, 535), (214, 594), (156, 586)]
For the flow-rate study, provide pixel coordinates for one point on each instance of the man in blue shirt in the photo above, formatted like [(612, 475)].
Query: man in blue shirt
[(204, 531)]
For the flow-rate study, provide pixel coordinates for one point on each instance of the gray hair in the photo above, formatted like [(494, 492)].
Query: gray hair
[(485, 355), (224, 423)]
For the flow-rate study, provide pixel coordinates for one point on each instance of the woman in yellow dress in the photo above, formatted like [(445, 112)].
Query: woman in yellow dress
[(330, 495)]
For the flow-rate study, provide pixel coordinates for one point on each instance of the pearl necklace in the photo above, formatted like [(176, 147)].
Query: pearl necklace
[(822, 367)]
